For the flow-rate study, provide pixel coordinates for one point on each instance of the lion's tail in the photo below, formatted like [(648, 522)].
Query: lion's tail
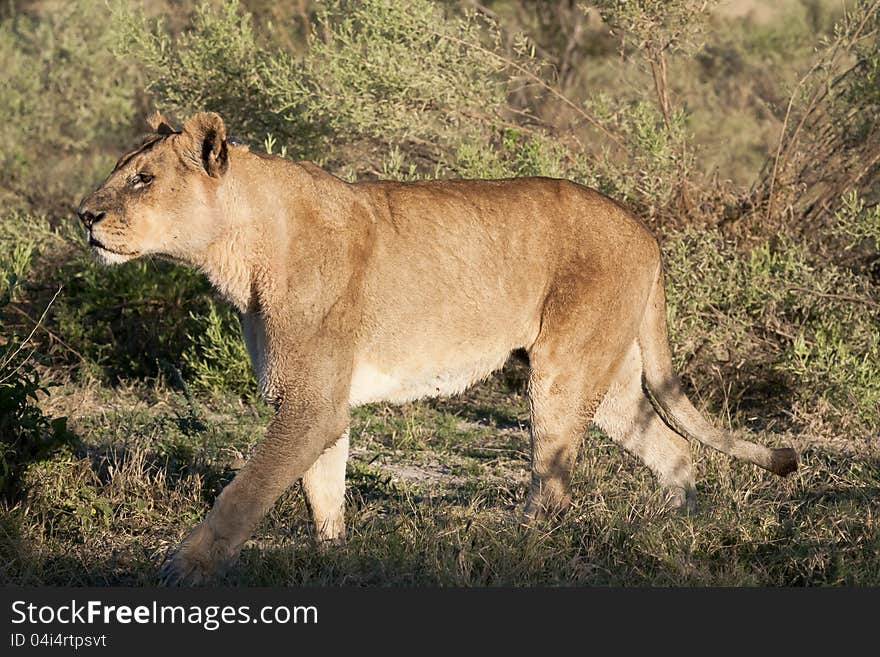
[(664, 390)]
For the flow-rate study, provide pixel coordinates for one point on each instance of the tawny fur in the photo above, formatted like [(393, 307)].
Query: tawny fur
[(387, 291)]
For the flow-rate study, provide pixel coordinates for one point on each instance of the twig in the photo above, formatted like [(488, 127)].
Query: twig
[(818, 95), (15, 353), (522, 69), (813, 68), (48, 332), (661, 85), (840, 297)]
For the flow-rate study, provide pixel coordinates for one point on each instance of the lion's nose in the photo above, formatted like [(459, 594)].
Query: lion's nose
[(89, 218)]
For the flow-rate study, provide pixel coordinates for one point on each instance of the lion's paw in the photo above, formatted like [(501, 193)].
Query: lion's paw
[(200, 558), (681, 499)]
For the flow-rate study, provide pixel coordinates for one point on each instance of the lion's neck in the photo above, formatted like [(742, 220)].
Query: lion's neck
[(254, 232), (228, 264), (231, 260)]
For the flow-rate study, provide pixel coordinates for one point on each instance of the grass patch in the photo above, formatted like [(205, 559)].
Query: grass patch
[(440, 512)]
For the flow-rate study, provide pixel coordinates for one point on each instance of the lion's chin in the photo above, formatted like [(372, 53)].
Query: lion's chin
[(106, 257)]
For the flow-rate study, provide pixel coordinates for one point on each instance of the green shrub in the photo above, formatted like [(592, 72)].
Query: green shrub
[(141, 320), (133, 320), (379, 89), (65, 100), (26, 433), (781, 312), (656, 165), (386, 82), (217, 360), (144, 319)]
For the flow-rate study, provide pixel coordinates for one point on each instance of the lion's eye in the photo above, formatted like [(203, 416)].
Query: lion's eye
[(141, 179)]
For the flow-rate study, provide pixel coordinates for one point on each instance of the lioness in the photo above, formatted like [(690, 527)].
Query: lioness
[(390, 291)]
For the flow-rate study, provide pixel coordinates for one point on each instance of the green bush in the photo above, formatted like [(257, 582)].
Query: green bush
[(147, 319), (65, 101), (386, 80), (141, 320), (26, 433), (133, 320), (217, 360), (381, 89), (782, 312)]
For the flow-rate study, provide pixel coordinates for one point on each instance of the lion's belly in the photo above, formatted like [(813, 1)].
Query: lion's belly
[(437, 340), (420, 378)]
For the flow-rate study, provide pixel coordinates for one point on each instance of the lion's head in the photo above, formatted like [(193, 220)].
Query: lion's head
[(162, 197)]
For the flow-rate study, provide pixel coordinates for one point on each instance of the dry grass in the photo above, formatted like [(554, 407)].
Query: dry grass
[(433, 498)]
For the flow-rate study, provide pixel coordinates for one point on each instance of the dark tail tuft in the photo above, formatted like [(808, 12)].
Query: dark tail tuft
[(784, 461)]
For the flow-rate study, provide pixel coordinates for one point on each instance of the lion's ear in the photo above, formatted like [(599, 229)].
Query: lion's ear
[(206, 148), (159, 125)]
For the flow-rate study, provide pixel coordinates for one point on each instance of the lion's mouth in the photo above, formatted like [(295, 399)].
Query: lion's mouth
[(96, 244)]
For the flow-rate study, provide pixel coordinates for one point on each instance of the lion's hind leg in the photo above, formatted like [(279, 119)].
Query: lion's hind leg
[(572, 363), (324, 488), (628, 417)]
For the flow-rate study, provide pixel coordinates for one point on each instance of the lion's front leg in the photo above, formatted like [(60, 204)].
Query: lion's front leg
[(299, 433)]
